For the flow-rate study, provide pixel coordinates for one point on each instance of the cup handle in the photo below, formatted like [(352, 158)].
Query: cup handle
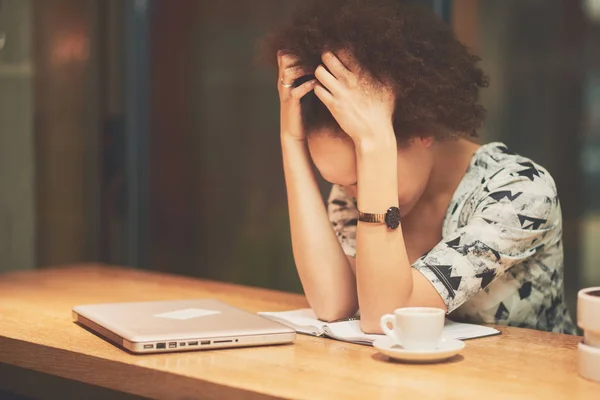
[(385, 321)]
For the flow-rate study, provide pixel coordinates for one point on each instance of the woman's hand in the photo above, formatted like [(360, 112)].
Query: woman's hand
[(291, 120), (362, 106)]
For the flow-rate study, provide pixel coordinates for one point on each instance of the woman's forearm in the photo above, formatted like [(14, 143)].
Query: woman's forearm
[(328, 282), (384, 277)]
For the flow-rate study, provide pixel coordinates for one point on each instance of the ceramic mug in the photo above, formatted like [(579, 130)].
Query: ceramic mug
[(588, 360), (588, 315), (415, 328)]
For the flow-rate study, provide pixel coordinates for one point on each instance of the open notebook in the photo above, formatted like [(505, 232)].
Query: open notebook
[(305, 321)]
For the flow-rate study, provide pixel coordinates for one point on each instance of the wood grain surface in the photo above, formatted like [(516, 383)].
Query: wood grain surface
[(38, 337)]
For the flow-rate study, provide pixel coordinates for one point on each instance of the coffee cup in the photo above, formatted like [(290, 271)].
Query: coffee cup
[(588, 362), (415, 328), (588, 315)]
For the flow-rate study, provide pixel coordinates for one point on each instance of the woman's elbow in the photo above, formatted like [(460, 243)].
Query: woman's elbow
[(370, 325), (334, 313)]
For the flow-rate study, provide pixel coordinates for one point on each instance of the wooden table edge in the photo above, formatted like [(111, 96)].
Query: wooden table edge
[(28, 358), (82, 368)]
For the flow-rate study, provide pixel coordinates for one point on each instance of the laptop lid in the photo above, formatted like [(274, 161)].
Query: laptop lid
[(180, 325)]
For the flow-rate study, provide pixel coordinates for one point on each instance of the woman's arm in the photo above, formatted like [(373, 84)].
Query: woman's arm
[(327, 279), (328, 282), (385, 278), (363, 108)]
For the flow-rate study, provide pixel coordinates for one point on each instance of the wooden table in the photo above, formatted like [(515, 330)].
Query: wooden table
[(44, 354)]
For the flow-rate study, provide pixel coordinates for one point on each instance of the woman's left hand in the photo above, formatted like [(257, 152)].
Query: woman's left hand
[(362, 106)]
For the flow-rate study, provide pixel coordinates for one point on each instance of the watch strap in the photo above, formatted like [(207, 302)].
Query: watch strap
[(371, 218), (391, 217)]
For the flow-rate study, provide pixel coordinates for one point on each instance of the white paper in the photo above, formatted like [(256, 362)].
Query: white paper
[(305, 321)]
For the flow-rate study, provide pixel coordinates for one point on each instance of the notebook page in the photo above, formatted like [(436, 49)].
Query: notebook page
[(303, 320), (350, 331), (462, 331)]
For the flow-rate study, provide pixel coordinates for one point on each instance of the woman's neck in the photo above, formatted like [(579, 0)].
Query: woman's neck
[(451, 160)]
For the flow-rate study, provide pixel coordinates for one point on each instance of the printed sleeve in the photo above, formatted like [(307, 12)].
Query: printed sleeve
[(510, 224), (343, 214)]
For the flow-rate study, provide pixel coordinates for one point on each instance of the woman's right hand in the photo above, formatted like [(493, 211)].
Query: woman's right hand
[(289, 97)]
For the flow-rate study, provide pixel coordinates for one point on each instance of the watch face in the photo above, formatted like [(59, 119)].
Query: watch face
[(392, 217)]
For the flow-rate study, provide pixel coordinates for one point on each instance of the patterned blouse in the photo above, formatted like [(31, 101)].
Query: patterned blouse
[(500, 260)]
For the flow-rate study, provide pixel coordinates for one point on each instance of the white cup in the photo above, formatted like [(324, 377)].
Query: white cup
[(588, 315), (588, 361), (415, 328)]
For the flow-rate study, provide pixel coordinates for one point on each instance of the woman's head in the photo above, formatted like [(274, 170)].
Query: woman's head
[(435, 78)]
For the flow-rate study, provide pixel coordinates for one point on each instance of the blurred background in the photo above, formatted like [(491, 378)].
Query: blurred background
[(141, 132)]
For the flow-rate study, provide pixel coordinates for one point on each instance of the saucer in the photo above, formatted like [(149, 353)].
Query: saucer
[(447, 348)]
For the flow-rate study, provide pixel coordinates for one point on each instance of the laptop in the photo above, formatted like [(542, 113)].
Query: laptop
[(180, 325)]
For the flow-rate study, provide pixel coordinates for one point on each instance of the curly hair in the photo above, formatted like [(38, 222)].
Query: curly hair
[(434, 76)]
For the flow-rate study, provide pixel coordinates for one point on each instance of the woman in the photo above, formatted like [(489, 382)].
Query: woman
[(382, 98)]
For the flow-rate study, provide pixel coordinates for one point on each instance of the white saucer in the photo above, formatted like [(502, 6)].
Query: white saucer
[(448, 348)]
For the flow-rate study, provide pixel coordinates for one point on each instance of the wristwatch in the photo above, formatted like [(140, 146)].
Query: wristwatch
[(391, 217)]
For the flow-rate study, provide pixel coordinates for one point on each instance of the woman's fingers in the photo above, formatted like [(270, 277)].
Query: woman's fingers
[(333, 63), (302, 90), (289, 69), (286, 60), (289, 75), (327, 79), (324, 95)]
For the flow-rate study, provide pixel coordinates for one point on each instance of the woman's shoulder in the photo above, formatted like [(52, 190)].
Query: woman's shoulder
[(501, 169), (507, 188)]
